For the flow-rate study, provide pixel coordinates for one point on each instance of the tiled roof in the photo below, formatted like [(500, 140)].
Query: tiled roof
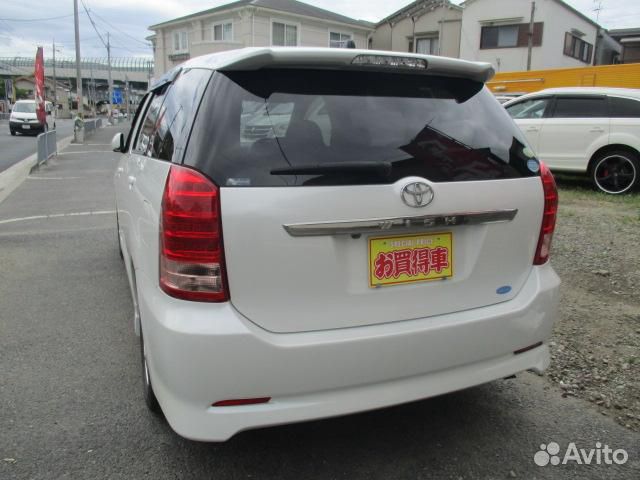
[(287, 6)]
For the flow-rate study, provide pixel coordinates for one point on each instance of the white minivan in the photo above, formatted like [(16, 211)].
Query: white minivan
[(594, 131), (24, 119), (382, 238)]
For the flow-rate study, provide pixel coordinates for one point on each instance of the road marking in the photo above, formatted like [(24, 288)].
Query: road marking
[(84, 151), (90, 144), (57, 215), (53, 178)]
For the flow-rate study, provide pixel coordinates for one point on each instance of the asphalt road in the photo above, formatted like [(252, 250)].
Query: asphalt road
[(14, 149), (71, 396)]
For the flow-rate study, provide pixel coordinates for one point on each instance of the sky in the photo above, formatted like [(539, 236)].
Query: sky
[(25, 24)]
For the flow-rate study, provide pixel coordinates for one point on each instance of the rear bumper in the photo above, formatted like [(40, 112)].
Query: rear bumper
[(203, 353)]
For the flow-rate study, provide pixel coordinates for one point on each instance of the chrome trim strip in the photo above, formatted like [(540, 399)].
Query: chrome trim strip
[(395, 224)]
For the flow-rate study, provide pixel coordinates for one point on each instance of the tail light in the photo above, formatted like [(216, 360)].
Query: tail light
[(549, 216), (191, 253)]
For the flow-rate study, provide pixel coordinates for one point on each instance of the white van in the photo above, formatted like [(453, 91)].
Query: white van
[(315, 232), (24, 119)]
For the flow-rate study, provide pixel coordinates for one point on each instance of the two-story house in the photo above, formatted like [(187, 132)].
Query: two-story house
[(629, 39), (253, 23), (497, 31), (424, 26)]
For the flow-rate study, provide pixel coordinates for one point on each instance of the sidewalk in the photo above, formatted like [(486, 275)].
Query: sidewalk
[(78, 181)]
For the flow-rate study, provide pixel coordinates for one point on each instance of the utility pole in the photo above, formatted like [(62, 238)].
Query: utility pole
[(441, 33), (531, 25), (55, 85), (109, 67), (78, 73), (126, 95), (92, 90)]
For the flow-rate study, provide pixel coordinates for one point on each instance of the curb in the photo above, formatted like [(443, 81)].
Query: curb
[(13, 176)]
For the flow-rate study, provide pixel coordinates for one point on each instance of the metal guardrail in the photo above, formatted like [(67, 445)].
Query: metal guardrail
[(4, 116), (47, 146), (88, 127), (48, 142), (91, 126)]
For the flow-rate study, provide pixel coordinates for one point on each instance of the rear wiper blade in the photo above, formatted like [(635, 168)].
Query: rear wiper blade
[(380, 168)]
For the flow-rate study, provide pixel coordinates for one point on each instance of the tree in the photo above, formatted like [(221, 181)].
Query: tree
[(21, 93)]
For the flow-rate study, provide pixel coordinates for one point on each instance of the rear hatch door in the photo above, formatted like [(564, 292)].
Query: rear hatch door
[(372, 198)]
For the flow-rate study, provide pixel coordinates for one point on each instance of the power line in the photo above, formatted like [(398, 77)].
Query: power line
[(35, 19), (119, 30), (94, 25)]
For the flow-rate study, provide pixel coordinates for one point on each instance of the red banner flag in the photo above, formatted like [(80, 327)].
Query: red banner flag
[(39, 79)]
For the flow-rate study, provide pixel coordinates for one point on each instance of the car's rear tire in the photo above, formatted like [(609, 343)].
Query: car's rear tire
[(616, 172), (149, 396)]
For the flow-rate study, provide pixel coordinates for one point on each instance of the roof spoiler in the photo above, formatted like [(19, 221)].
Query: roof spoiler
[(167, 78), (343, 59)]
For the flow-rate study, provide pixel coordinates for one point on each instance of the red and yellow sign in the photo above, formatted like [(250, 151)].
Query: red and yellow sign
[(413, 258)]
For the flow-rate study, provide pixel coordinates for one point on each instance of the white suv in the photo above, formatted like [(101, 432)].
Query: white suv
[(386, 241), (595, 131)]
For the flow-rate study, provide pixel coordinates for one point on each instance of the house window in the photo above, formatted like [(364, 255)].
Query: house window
[(577, 48), (509, 36), (180, 42), (339, 40), (284, 35), (223, 32), (427, 46)]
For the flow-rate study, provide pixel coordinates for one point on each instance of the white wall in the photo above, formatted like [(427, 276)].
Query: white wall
[(251, 27), (557, 21), (311, 33), (398, 36)]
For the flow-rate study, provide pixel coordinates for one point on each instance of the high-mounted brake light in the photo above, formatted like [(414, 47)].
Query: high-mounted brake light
[(191, 253), (389, 61), (549, 216)]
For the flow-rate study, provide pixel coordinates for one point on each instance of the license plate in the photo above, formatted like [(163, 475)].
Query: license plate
[(26, 127), (413, 258)]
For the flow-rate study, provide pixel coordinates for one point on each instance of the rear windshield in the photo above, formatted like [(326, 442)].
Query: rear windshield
[(319, 127), (26, 107)]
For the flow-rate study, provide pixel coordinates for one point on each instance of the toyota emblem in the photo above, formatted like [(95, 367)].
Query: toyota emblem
[(417, 194)]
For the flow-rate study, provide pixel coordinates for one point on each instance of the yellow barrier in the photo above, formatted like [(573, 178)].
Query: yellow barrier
[(623, 76)]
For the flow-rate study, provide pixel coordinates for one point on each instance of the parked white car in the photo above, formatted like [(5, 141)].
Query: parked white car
[(507, 97), (588, 130), (390, 242)]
